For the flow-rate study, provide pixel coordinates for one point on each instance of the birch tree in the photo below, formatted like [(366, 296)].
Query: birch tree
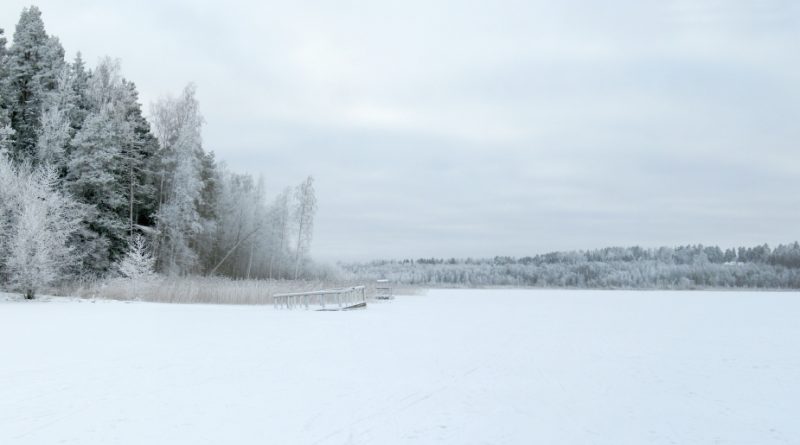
[(177, 123), (279, 234), (304, 211), (39, 223), (55, 127)]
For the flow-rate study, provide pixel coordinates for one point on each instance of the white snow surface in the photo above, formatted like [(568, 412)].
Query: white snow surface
[(452, 366)]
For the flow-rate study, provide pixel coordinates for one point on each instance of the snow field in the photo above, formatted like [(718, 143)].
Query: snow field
[(453, 366)]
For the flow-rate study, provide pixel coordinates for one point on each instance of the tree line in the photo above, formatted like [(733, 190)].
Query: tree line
[(87, 181), (683, 267)]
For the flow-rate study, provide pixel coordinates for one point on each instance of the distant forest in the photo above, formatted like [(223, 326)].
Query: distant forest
[(684, 267)]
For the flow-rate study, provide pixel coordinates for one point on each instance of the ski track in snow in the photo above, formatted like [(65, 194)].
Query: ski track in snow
[(455, 366)]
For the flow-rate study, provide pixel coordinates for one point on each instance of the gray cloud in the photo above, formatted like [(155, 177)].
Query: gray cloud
[(483, 128)]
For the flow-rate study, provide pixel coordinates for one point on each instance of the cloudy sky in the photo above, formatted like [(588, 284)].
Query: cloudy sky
[(465, 128)]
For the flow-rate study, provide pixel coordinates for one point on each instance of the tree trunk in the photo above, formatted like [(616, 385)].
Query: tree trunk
[(130, 208)]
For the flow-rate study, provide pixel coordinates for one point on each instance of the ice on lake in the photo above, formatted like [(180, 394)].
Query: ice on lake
[(452, 366)]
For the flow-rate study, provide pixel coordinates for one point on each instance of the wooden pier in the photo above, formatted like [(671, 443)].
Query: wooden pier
[(344, 299)]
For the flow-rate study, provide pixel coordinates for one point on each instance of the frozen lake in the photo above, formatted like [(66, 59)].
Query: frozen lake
[(452, 366)]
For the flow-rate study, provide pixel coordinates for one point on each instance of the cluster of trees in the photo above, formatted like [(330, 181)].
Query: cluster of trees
[(684, 267), (86, 180)]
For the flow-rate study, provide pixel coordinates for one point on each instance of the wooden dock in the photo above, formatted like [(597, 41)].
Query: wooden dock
[(344, 299)]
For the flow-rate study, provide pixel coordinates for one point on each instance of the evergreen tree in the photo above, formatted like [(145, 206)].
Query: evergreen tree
[(138, 262), (3, 42), (140, 156), (6, 132), (207, 245), (32, 67), (80, 88), (108, 162), (95, 176), (97, 172)]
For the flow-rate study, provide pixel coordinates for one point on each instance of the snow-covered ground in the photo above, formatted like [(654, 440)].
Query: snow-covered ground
[(455, 366)]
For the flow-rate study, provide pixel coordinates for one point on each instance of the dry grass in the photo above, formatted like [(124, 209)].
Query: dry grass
[(207, 290)]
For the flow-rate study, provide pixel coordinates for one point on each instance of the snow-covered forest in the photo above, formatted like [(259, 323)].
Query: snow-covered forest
[(92, 186), (685, 267)]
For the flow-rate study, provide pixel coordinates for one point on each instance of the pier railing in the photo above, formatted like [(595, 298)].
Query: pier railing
[(328, 299)]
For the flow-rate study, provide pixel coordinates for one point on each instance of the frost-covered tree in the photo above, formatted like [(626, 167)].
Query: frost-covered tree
[(278, 246), (138, 262), (141, 158), (6, 132), (32, 67), (304, 211), (6, 138), (80, 87), (96, 177), (9, 185), (177, 124), (240, 228), (107, 166), (39, 220), (179, 221), (128, 177), (3, 42), (55, 128)]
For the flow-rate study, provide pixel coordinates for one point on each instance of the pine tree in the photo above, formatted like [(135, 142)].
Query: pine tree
[(139, 157), (207, 244)]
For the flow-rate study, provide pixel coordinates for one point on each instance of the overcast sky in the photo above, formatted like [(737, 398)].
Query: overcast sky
[(462, 128)]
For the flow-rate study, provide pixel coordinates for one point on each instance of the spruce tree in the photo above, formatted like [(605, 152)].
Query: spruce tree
[(3, 42), (95, 176), (6, 131), (80, 87), (32, 66)]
